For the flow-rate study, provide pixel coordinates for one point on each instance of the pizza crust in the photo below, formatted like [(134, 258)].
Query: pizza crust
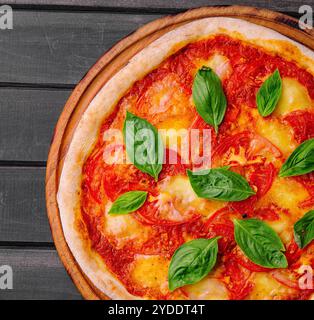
[(102, 105)]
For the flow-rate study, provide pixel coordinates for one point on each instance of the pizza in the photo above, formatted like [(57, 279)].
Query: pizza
[(228, 217)]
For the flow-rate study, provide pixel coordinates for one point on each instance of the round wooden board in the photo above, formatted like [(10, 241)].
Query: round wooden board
[(101, 72)]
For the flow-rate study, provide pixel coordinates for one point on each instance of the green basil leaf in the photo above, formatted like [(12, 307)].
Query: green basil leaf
[(192, 262), (301, 160), (128, 202), (143, 145), (209, 98), (220, 184), (304, 230), (260, 243), (269, 94)]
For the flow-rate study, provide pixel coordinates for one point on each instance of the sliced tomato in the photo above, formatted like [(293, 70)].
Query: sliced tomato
[(166, 97), (196, 229), (236, 279), (235, 141), (221, 224), (230, 118), (286, 277), (223, 216), (246, 263), (304, 294), (184, 293), (172, 169), (293, 253), (167, 212), (120, 178), (307, 181), (263, 147), (307, 203), (165, 240), (200, 124), (245, 207), (269, 213), (152, 213), (261, 178), (243, 149), (302, 123), (246, 78), (124, 177), (227, 242), (116, 178)]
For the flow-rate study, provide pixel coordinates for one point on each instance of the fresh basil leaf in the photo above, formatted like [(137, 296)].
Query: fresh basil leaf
[(128, 202), (304, 230), (260, 243), (220, 184), (269, 94), (192, 262), (208, 96), (143, 145), (301, 160)]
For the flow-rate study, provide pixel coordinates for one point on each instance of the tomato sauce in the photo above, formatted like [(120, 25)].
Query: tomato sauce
[(102, 182)]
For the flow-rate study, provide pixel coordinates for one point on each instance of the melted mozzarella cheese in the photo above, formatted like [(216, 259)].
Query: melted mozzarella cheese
[(175, 136), (277, 133), (207, 289), (283, 226), (280, 135), (267, 288), (286, 194), (178, 186), (150, 271), (166, 96), (174, 110), (124, 228), (294, 97), (219, 63), (178, 189)]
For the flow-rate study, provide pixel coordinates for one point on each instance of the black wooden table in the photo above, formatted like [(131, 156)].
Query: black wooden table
[(52, 45)]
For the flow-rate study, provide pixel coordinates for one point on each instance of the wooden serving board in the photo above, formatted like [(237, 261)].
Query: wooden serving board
[(111, 62)]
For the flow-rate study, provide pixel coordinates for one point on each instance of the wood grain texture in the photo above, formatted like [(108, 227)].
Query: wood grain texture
[(167, 5), (47, 47), (97, 76), (22, 205), (37, 274), (27, 121)]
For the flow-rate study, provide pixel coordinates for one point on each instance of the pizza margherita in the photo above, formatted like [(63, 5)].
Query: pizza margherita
[(190, 176)]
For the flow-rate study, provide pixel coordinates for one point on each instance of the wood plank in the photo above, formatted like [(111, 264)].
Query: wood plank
[(22, 205), (37, 274), (28, 118), (48, 47), (163, 5)]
